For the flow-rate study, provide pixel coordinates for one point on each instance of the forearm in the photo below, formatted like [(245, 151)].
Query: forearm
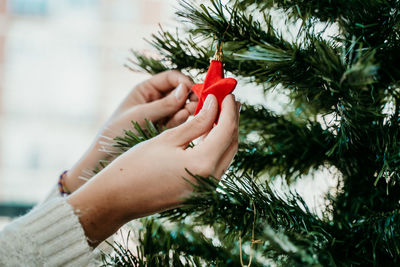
[(93, 205), (107, 202), (101, 149), (81, 171)]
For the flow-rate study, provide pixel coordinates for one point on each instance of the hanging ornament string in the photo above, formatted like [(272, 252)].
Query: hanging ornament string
[(252, 241)]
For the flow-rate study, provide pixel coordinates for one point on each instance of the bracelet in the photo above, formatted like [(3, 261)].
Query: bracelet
[(61, 185)]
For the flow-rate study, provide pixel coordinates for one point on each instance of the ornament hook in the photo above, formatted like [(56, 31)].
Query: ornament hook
[(218, 54)]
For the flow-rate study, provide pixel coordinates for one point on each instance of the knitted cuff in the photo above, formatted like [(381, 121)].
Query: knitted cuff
[(59, 238)]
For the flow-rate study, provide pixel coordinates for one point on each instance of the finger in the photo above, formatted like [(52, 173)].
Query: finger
[(193, 97), (227, 158), (180, 117), (164, 107), (230, 153), (199, 125), (204, 136), (153, 89), (221, 136), (166, 81), (191, 107)]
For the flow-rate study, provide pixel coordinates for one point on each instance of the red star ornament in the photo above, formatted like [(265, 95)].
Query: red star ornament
[(215, 84)]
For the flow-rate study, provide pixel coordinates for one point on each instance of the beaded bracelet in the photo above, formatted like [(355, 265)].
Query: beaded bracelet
[(61, 185)]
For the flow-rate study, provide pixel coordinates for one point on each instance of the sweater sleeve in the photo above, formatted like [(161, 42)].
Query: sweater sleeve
[(49, 235), (103, 247), (54, 193)]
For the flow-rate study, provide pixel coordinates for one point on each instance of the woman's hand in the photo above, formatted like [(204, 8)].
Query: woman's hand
[(149, 177), (161, 99)]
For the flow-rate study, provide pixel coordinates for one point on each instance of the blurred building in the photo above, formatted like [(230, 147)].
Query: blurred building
[(61, 75)]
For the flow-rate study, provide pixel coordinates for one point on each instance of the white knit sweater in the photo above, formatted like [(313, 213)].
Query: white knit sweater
[(49, 235)]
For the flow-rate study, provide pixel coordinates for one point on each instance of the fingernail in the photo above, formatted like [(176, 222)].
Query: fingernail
[(179, 92), (207, 103)]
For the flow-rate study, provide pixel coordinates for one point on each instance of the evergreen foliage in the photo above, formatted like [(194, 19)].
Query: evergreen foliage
[(344, 113)]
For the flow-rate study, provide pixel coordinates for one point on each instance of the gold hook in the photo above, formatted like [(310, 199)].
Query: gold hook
[(218, 54)]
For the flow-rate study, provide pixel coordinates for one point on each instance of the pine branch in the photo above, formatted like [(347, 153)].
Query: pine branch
[(229, 24), (317, 72), (232, 200), (130, 138), (229, 205), (284, 146), (280, 244), (177, 54), (376, 29), (370, 182), (138, 135), (177, 245), (146, 63)]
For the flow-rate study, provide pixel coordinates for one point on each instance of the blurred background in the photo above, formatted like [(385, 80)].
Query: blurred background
[(61, 76)]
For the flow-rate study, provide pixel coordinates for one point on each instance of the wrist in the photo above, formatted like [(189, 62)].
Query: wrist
[(83, 169), (95, 205)]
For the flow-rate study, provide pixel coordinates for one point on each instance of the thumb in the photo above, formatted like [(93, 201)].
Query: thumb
[(202, 123), (165, 106)]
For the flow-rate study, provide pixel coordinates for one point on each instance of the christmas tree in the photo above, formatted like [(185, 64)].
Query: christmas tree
[(337, 62)]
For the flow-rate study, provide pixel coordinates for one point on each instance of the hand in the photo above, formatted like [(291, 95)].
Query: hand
[(161, 99), (149, 177)]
